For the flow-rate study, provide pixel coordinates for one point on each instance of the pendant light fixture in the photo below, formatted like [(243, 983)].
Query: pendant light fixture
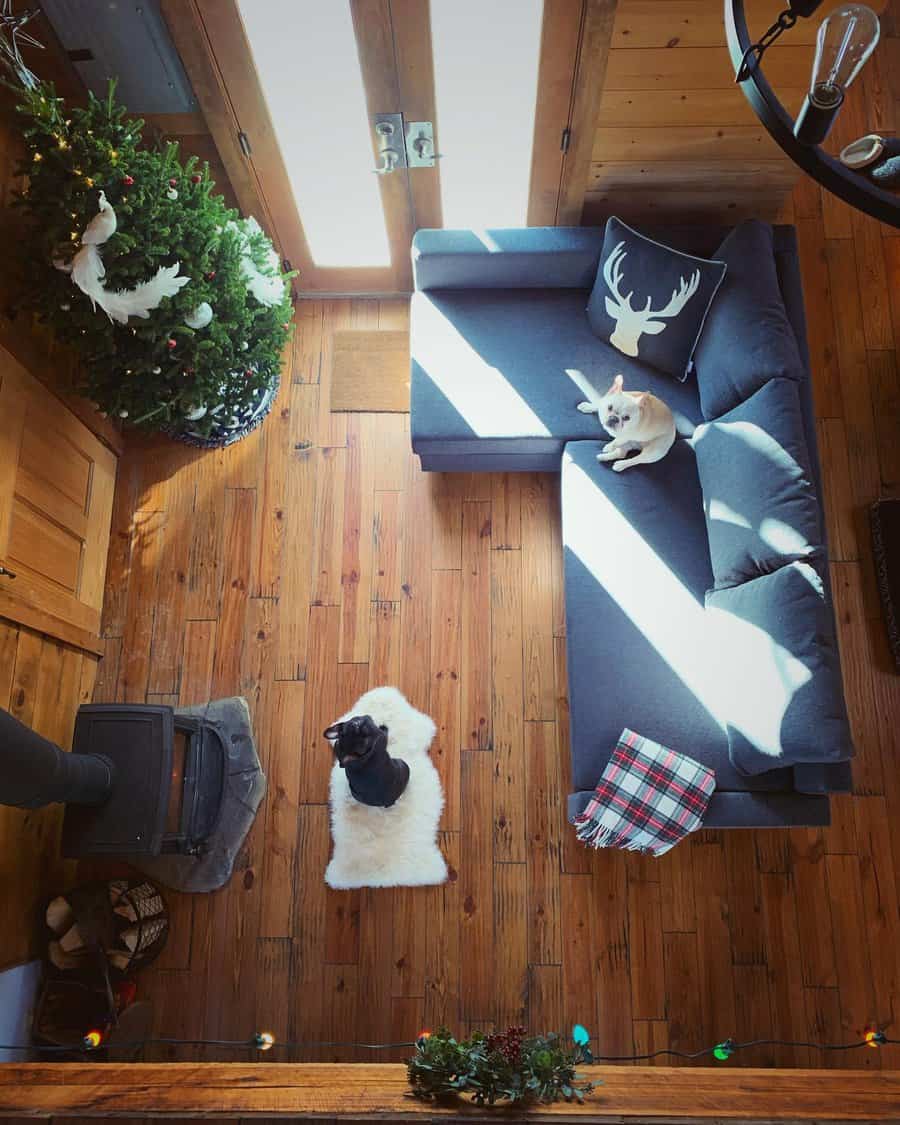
[(845, 40)]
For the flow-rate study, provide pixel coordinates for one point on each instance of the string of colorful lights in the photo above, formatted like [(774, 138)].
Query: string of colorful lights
[(265, 1041)]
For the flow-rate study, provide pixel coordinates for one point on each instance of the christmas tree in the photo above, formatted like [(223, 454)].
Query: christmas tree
[(176, 306)]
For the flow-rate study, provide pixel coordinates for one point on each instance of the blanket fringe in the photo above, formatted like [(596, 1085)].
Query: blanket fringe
[(597, 835)]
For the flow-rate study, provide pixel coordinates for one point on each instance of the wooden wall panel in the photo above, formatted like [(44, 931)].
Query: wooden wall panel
[(675, 138), (42, 683)]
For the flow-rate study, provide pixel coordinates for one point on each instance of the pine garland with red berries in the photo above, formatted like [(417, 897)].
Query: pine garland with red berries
[(206, 354), (509, 1067)]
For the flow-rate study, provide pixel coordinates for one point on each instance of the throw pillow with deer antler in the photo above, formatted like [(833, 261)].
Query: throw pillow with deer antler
[(650, 301)]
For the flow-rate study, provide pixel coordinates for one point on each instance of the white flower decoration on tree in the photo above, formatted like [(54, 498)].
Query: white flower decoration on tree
[(88, 272), (267, 287)]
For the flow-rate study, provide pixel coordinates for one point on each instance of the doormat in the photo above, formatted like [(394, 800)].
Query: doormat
[(370, 372)]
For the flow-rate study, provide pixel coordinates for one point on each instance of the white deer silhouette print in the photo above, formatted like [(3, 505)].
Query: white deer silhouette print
[(632, 323)]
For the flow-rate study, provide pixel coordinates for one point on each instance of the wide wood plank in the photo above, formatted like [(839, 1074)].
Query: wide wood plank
[(357, 546), (538, 608), (648, 986), (856, 988), (514, 1001), (507, 708), (238, 525), (690, 23), (542, 798), (444, 695), (146, 553), (475, 642), (282, 806), (476, 887), (695, 68), (625, 1093)]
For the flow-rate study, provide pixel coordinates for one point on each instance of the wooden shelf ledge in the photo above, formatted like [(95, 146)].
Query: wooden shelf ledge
[(310, 1090)]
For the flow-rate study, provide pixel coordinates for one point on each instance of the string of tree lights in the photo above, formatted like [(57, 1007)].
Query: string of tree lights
[(262, 1041)]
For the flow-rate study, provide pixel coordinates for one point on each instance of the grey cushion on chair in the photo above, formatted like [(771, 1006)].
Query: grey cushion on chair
[(779, 690), (760, 504), (747, 339), (635, 273)]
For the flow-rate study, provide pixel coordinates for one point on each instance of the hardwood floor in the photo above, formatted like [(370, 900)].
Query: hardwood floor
[(314, 560)]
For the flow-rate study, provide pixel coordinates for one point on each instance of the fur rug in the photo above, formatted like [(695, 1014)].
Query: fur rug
[(395, 847)]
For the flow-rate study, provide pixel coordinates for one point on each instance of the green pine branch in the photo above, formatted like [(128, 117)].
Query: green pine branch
[(150, 371)]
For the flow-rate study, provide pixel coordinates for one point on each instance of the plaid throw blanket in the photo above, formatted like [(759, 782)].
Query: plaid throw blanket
[(648, 799)]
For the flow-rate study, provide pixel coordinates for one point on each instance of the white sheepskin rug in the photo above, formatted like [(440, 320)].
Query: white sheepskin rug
[(395, 847)]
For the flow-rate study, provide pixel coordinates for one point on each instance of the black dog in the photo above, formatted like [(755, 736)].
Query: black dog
[(360, 746)]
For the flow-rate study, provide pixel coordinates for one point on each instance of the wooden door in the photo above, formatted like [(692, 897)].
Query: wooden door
[(238, 54), (231, 59), (56, 493)]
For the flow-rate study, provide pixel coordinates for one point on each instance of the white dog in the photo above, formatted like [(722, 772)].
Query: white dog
[(635, 420)]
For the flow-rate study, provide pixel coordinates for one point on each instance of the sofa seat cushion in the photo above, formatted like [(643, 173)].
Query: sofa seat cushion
[(760, 502), (489, 372), (636, 572), (781, 692)]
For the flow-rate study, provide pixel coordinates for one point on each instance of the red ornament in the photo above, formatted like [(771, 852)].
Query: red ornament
[(170, 343), (210, 275), (173, 182), (248, 373), (286, 325), (128, 180), (196, 178)]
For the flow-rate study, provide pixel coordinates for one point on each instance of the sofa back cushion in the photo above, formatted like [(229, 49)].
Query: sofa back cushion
[(747, 339), (519, 258), (649, 300), (779, 692), (760, 503)]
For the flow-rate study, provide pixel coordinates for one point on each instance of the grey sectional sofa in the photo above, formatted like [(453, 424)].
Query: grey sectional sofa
[(497, 319)]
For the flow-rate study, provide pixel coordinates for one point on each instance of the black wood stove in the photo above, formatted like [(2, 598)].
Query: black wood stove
[(169, 773), (174, 792)]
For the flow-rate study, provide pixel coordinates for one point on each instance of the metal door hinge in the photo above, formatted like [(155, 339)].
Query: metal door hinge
[(244, 142), (564, 140)]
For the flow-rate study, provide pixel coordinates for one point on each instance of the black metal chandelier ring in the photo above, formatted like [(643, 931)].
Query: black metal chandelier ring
[(853, 187)]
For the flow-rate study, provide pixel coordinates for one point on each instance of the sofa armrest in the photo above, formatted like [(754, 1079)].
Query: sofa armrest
[(521, 258), (730, 808), (828, 777)]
